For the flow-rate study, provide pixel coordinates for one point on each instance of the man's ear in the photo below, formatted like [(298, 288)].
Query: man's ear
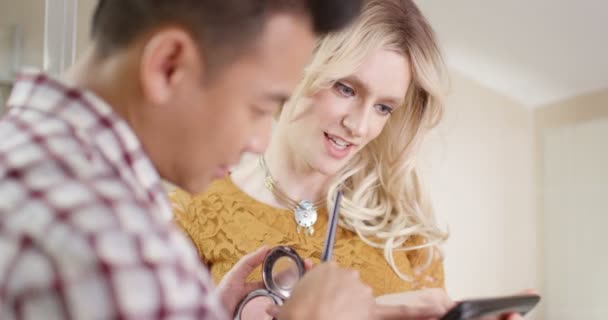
[(169, 59)]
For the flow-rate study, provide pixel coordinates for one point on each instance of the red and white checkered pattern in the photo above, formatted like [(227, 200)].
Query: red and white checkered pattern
[(84, 232)]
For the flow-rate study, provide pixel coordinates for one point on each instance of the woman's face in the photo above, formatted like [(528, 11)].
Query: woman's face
[(352, 112)]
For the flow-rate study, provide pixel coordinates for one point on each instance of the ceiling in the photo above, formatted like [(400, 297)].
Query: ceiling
[(535, 52)]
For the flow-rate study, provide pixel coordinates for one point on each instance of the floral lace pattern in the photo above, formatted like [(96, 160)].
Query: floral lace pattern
[(225, 224)]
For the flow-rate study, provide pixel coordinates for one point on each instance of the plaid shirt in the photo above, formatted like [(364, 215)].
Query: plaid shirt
[(84, 228)]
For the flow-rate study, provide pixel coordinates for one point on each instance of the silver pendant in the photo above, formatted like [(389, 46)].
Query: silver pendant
[(306, 216)]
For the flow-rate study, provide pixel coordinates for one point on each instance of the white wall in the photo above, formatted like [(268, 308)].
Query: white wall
[(29, 15), (576, 216), (573, 166), (480, 164), (85, 13)]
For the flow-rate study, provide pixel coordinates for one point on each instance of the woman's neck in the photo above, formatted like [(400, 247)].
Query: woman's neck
[(292, 175)]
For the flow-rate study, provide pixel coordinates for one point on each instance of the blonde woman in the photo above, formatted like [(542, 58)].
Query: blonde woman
[(355, 122)]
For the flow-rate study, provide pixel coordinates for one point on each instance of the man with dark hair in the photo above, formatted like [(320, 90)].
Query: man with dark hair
[(223, 28), (177, 89)]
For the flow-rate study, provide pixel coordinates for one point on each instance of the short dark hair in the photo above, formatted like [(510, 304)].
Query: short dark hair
[(224, 28)]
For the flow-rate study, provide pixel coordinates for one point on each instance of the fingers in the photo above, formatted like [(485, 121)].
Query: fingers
[(517, 316), (512, 316), (273, 311), (252, 286), (253, 260), (398, 312), (439, 297), (308, 265), (333, 293), (247, 264)]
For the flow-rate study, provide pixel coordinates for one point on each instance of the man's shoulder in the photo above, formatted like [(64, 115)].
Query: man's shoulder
[(116, 249), (83, 225), (51, 163), (70, 182)]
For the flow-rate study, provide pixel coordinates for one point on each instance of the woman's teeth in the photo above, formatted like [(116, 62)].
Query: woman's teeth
[(339, 143)]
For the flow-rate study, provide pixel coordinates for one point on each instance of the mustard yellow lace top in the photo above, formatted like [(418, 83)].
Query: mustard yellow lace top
[(225, 224)]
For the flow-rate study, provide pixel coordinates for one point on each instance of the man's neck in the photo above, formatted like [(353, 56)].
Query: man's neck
[(105, 78)]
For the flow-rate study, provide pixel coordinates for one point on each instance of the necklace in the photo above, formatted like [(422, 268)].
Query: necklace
[(304, 211)]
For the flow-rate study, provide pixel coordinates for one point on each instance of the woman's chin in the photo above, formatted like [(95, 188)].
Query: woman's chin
[(331, 167)]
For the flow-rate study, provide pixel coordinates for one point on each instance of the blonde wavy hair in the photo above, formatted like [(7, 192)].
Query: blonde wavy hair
[(384, 200)]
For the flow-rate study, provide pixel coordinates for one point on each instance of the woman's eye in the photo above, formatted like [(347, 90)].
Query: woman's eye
[(344, 89), (384, 109), (260, 112)]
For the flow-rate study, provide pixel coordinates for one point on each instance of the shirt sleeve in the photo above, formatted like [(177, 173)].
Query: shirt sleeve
[(112, 273)]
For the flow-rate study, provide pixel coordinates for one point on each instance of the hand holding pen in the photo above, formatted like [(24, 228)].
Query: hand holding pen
[(328, 291)]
